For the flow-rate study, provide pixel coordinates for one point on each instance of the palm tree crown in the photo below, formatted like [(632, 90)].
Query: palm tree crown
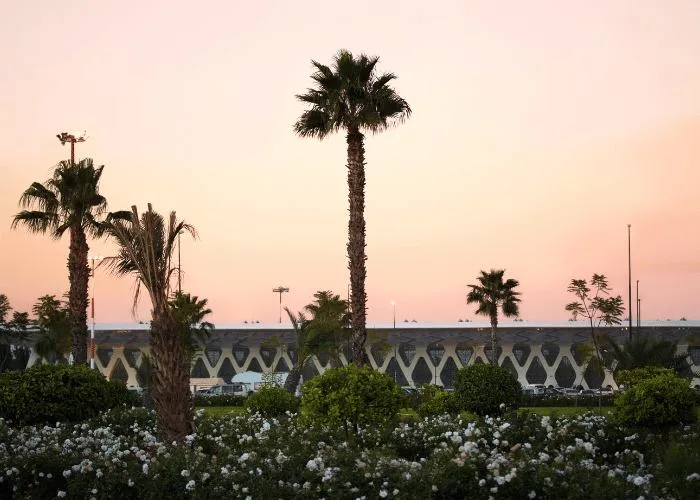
[(69, 199), (146, 246), (350, 96), (492, 294)]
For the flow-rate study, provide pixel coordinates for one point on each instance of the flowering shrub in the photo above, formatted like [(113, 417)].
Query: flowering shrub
[(272, 401), (51, 393), (117, 455), (486, 390), (351, 397)]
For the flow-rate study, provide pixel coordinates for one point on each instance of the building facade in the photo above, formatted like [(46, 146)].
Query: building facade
[(552, 354)]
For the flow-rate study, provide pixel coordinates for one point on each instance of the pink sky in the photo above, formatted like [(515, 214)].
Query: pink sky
[(540, 130)]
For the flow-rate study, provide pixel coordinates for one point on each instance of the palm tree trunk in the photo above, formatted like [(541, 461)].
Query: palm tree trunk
[(290, 385), (170, 379), (78, 275), (356, 243), (494, 341)]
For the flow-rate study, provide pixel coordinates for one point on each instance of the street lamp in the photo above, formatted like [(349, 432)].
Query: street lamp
[(65, 137), (92, 311), (280, 290)]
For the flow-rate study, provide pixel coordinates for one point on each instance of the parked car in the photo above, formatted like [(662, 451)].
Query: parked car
[(227, 390)]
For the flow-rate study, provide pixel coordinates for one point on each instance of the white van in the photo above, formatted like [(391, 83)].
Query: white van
[(534, 389)]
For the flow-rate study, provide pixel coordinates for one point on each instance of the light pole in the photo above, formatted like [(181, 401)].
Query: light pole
[(393, 305), (92, 312), (639, 309), (179, 269), (629, 275), (280, 290), (65, 137)]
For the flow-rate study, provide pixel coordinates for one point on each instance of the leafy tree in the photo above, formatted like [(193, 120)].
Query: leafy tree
[(322, 333), (146, 244), (53, 320), (14, 334), (352, 96), (492, 294), (189, 313), (595, 305), (70, 201), (5, 308)]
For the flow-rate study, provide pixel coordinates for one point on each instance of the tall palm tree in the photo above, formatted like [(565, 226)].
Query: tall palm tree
[(145, 249), (492, 294), (351, 96), (69, 201)]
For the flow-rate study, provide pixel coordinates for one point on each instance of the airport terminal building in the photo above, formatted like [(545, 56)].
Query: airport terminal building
[(413, 353)]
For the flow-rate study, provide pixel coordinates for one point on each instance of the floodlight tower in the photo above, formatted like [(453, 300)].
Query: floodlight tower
[(65, 137), (280, 290)]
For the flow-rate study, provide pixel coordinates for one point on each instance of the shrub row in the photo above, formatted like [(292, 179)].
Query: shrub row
[(58, 393)]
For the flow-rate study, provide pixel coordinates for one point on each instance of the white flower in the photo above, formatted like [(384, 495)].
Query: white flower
[(130, 483), (693, 477), (532, 494), (61, 494), (312, 465), (190, 485), (185, 473), (383, 493)]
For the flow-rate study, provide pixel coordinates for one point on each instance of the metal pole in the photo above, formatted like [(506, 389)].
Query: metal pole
[(179, 269), (92, 314), (638, 320), (629, 276)]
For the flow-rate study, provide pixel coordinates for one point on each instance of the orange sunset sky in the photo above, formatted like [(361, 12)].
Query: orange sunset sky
[(540, 129)]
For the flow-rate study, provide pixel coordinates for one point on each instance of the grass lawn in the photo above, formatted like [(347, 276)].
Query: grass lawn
[(565, 411), (217, 411)]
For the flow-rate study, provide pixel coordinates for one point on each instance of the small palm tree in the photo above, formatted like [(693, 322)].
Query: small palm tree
[(322, 333), (145, 249), (69, 201), (189, 312), (644, 350), (353, 97), (492, 294)]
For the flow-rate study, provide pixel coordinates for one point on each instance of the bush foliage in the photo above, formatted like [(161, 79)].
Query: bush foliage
[(58, 393), (272, 401), (434, 400), (219, 400), (486, 390), (350, 397), (660, 400)]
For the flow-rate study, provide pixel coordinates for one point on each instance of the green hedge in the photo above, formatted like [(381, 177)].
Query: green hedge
[(58, 393), (220, 400)]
